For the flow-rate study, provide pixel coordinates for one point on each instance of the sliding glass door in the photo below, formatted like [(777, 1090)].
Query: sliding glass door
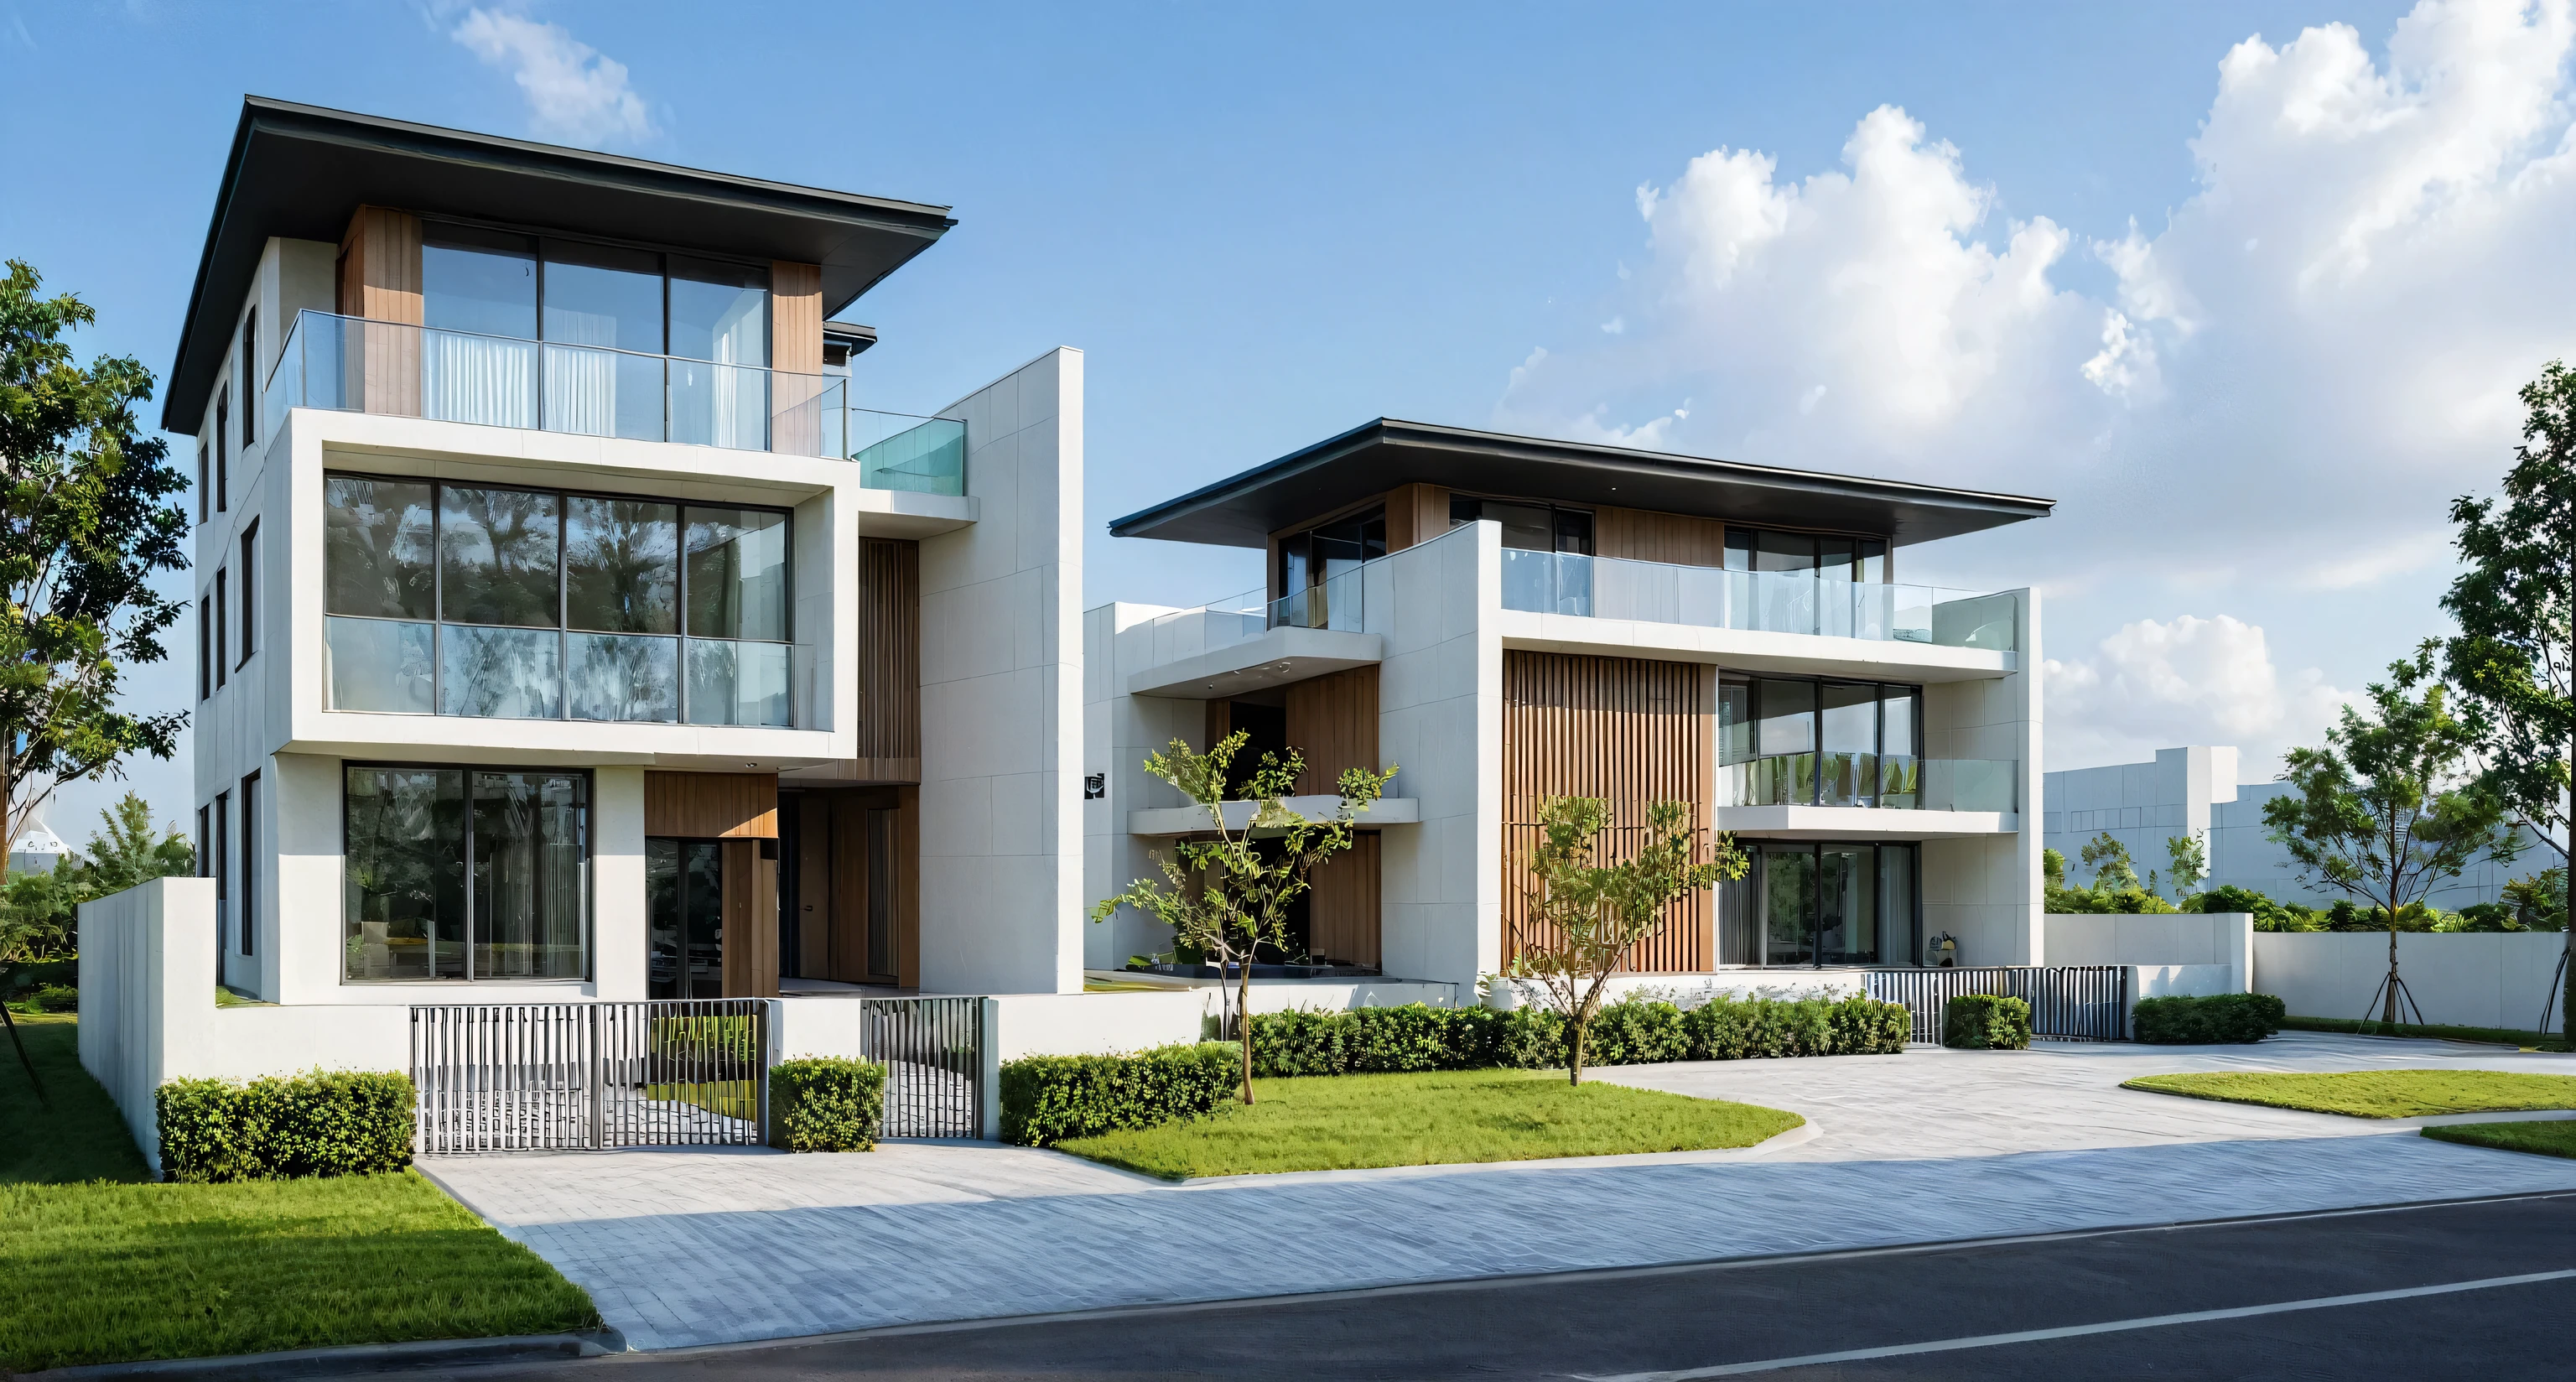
[(1831, 904), (683, 918)]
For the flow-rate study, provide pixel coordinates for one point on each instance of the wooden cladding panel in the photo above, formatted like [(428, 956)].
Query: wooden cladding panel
[(1629, 731), (1332, 721), (1673, 538), (750, 903), (1342, 904), (380, 281), (839, 831), (890, 649), (796, 317), (711, 806), (814, 888), (1414, 514)]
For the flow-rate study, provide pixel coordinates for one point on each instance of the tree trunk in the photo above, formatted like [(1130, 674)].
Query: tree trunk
[(1582, 1027), (2388, 1010), (1243, 1022)]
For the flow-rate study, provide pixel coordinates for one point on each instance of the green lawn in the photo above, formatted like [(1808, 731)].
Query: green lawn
[(2554, 1138), (2376, 1093), (102, 1265), (2502, 1036), (1337, 1122)]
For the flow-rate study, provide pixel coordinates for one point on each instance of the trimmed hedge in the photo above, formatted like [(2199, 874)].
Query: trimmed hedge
[(2219, 1018), (327, 1123), (1985, 1022), (826, 1104), (1368, 1041), (1051, 1099)]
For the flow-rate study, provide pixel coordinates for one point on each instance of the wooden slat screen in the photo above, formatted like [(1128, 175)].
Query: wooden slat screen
[(1332, 721), (1666, 537), (750, 902), (1627, 730), (1342, 904), (796, 392), (890, 656), (1415, 514), (380, 281)]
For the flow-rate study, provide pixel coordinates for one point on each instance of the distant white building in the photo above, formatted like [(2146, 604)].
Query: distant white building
[(37, 851), (2194, 789)]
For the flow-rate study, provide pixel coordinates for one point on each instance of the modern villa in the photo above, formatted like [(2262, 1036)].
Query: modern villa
[(574, 625), (1503, 619)]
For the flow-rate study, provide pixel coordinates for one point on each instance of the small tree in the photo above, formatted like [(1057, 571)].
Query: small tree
[(2188, 855), (1228, 895), (2514, 659), (2391, 806), (1588, 916)]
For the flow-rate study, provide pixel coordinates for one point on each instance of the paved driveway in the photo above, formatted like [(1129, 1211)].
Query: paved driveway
[(690, 1247)]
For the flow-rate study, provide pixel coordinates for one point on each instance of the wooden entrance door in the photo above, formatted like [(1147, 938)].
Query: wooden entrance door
[(858, 862)]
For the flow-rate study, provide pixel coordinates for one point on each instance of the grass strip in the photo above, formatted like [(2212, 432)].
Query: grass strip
[(103, 1265), (2374, 1093), (1343, 1122), (2502, 1036), (2555, 1137)]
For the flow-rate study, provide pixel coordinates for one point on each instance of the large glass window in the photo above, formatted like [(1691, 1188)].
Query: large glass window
[(1830, 904), (479, 299), (456, 873), (720, 315), (1790, 742), (1786, 569), (683, 919), (540, 605)]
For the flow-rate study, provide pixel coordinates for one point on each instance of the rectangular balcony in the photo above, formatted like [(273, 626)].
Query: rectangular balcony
[(351, 364), (1886, 782), (1798, 602), (421, 667)]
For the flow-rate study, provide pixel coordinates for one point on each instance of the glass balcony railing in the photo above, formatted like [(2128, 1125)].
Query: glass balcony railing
[(1335, 604), (350, 364), (415, 667), (1887, 781), (1760, 601)]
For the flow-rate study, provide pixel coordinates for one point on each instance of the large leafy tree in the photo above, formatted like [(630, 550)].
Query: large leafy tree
[(87, 519), (1226, 895), (1586, 916), (2392, 805), (2514, 658)]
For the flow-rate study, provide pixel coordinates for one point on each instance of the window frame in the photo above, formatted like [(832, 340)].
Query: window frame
[(221, 646), (246, 930), (223, 446), (589, 863), (1815, 717), (249, 596), (248, 373)]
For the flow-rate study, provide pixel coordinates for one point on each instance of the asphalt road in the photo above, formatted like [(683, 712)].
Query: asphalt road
[(1700, 1320)]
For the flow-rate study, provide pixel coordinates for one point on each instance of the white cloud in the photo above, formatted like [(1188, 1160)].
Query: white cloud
[(2276, 394), (2157, 685), (576, 94)]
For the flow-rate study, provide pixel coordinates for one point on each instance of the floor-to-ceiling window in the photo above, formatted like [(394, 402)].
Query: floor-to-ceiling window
[(537, 604), (465, 873), (1792, 741), (1824, 903), (1805, 581), (684, 918)]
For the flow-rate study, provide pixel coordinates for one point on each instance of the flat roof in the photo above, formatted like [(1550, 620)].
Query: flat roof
[(299, 171), (1243, 510)]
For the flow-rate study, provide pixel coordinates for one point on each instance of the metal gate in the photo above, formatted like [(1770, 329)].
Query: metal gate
[(2067, 1002), (933, 1052), (509, 1077)]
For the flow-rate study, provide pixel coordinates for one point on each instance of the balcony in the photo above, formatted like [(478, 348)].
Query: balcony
[(1796, 602), (415, 667), (1873, 781), (350, 364)]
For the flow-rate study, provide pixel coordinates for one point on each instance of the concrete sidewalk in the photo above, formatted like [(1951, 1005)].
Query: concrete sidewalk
[(692, 1247)]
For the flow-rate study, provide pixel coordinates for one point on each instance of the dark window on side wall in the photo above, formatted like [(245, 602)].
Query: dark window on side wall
[(205, 645), (223, 449), (218, 604), (203, 497), (249, 928), (249, 592), (250, 378)]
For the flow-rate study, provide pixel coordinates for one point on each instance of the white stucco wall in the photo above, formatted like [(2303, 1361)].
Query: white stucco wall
[(2180, 938), (2466, 980), (1986, 890), (1118, 730), (1440, 723), (1002, 697)]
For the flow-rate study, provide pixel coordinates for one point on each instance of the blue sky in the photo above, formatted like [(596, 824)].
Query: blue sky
[(2251, 300)]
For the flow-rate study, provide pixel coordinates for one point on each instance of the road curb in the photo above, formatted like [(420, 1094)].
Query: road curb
[(351, 1358)]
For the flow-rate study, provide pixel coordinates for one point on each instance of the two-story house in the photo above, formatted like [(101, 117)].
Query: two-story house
[(574, 624), (1505, 619)]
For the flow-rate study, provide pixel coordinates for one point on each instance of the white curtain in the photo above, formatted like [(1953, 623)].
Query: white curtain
[(581, 391), (480, 379)]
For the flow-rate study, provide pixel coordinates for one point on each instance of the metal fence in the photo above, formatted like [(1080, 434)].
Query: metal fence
[(2067, 1002), (933, 1052), (505, 1077)]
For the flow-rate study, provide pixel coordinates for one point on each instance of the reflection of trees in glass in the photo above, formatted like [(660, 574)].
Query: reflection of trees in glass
[(406, 855), (737, 574), (622, 565), (497, 551), (614, 677), (376, 548), (528, 852), (499, 673)]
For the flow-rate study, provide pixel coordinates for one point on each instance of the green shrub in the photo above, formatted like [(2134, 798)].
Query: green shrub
[(1985, 1022), (825, 1104), (2224, 1017), (1369, 1041), (49, 998), (327, 1123), (1048, 1099)]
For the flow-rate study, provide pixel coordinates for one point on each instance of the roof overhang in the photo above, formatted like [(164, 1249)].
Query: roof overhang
[(299, 171), (1244, 510)]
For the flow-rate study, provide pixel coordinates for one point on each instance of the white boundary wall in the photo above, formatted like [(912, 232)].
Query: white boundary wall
[(2464, 980), (2158, 941), (148, 1014)]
